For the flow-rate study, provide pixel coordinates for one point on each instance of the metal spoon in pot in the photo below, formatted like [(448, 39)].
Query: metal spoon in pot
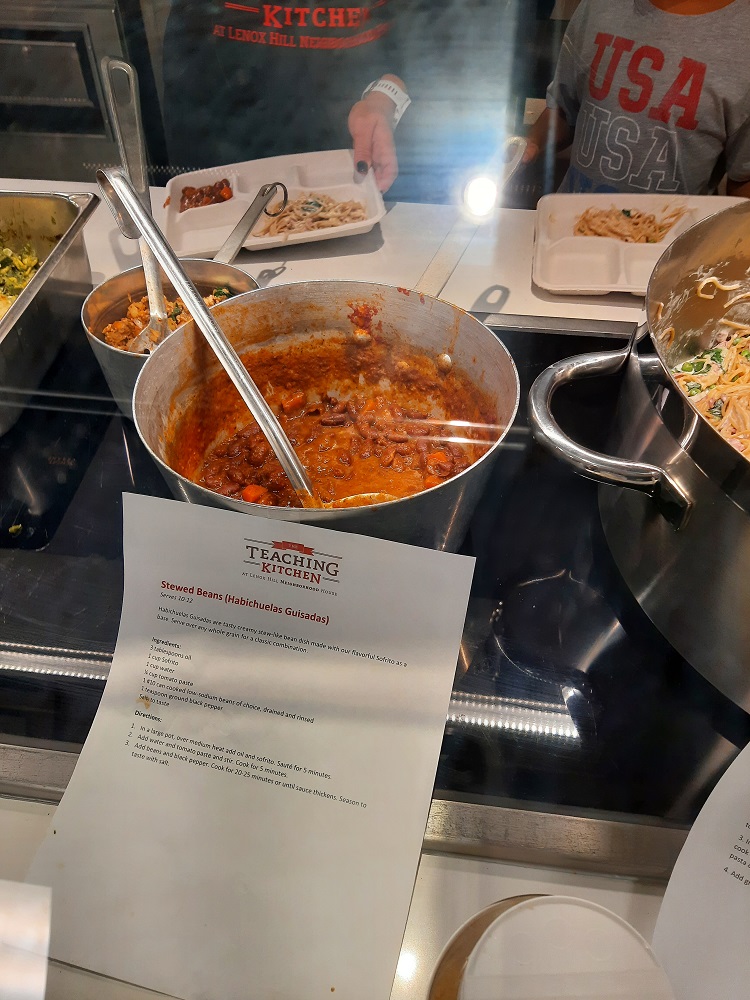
[(146, 340), (124, 107), (135, 223)]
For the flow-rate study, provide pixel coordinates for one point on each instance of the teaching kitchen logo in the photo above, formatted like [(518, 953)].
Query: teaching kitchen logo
[(294, 563)]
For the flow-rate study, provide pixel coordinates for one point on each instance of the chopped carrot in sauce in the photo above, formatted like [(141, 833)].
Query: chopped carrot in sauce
[(293, 403), (253, 493)]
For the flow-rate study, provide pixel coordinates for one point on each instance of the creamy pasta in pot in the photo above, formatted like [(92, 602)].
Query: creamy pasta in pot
[(717, 380)]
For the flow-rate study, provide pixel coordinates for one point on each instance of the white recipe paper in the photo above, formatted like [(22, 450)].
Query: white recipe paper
[(247, 814), (701, 936)]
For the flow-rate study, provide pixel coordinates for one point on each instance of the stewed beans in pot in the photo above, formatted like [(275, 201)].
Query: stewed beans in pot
[(348, 446), (362, 416)]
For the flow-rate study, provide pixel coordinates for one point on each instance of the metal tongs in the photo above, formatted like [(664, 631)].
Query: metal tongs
[(234, 242), (145, 341)]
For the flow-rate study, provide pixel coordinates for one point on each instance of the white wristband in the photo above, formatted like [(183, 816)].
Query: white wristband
[(399, 97)]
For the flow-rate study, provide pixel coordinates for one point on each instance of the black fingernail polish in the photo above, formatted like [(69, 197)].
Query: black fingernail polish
[(362, 167)]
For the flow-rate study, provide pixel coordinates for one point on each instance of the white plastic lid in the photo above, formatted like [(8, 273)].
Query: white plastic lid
[(560, 948)]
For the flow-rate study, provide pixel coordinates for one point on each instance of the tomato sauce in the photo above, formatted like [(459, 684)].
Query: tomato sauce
[(361, 416)]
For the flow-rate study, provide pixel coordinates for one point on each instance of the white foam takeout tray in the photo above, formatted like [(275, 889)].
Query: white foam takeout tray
[(201, 231), (595, 265)]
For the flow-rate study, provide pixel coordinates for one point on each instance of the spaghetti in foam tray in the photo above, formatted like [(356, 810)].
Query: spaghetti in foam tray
[(631, 225), (312, 211)]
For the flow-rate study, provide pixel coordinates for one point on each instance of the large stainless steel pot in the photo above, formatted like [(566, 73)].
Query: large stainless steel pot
[(677, 496), (173, 377)]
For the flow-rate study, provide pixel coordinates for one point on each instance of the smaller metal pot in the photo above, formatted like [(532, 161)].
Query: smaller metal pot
[(109, 301)]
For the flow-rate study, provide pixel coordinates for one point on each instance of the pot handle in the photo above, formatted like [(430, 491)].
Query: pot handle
[(669, 497)]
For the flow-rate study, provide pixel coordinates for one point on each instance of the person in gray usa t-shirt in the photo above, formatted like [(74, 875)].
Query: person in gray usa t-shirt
[(655, 95)]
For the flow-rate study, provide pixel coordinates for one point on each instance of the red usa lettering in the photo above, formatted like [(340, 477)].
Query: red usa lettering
[(684, 93), (643, 71), (281, 16)]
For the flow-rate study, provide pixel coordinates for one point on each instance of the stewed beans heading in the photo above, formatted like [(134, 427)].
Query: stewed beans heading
[(364, 416), (349, 445)]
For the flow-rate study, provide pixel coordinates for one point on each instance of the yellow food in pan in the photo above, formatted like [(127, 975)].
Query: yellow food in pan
[(17, 268)]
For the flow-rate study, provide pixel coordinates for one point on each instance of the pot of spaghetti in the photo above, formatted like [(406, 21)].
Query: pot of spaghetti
[(675, 499), (381, 391)]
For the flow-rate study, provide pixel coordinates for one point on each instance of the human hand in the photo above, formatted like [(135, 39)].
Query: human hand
[(371, 128), (531, 152), (550, 126)]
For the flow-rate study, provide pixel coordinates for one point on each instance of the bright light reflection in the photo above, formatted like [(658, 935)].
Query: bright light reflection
[(480, 196), (536, 718), (407, 966)]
